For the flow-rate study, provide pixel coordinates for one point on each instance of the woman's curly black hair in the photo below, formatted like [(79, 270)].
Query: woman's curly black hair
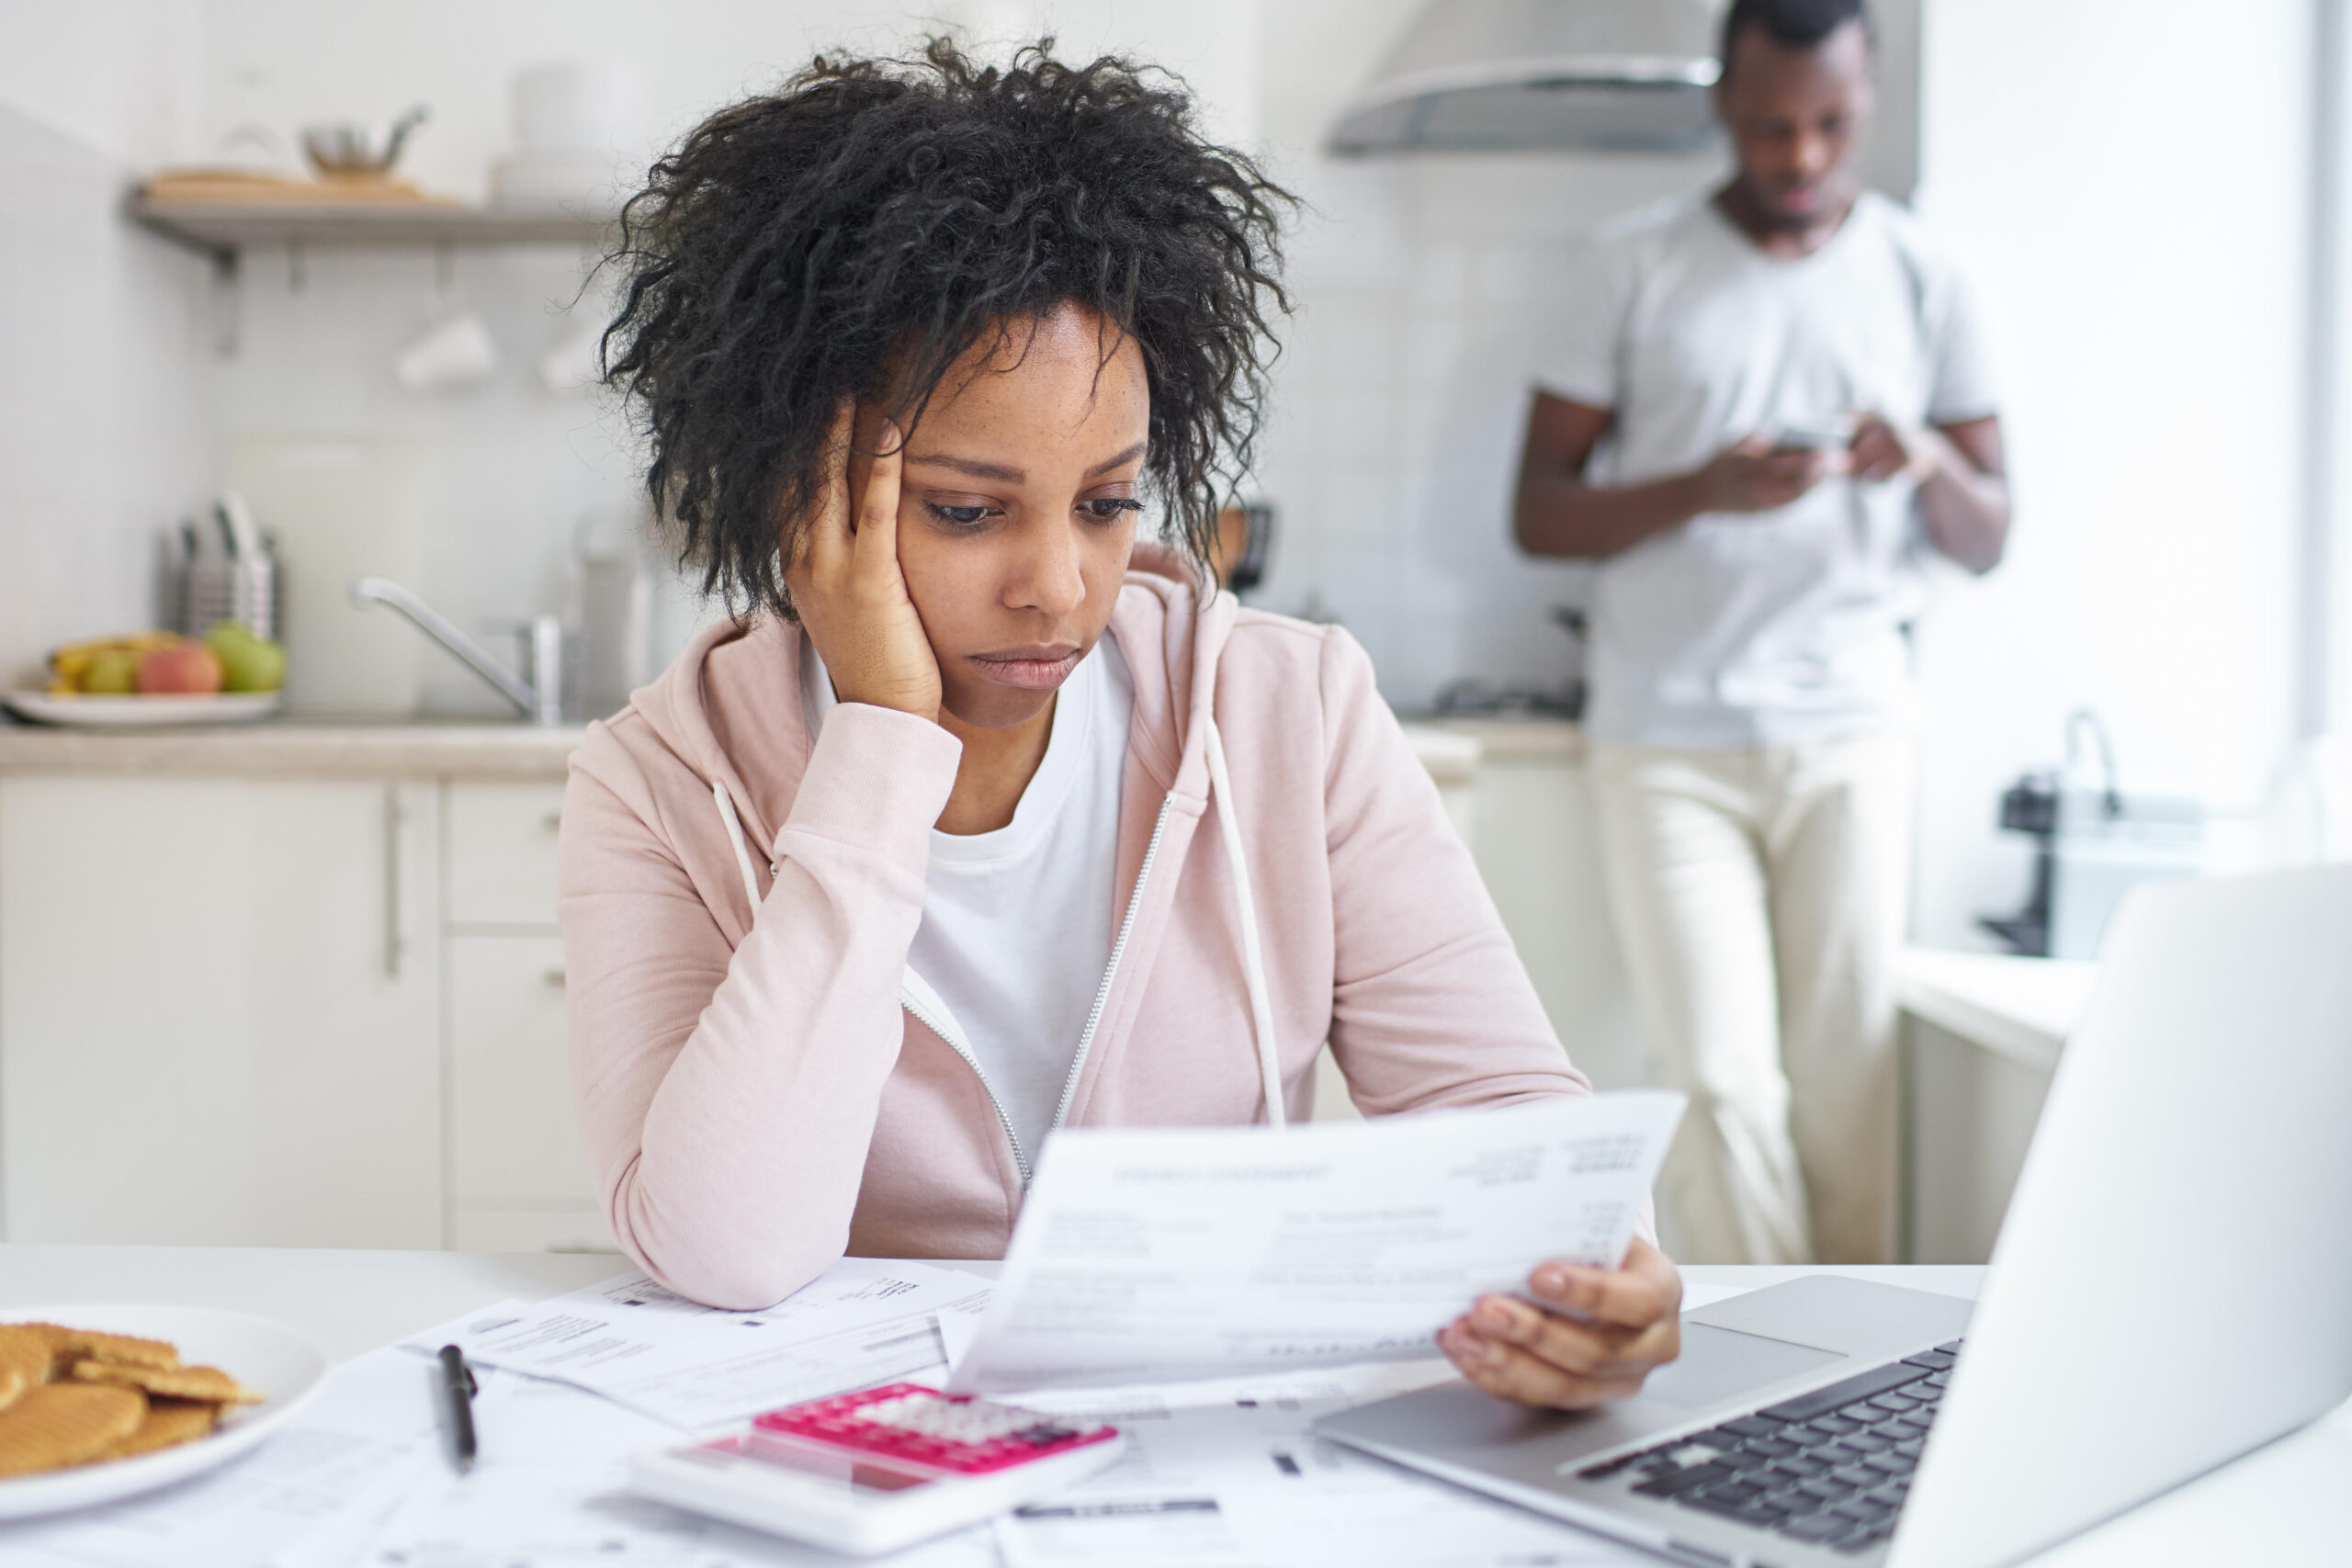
[(854, 233)]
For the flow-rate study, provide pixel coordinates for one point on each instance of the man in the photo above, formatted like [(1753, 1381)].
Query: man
[(1769, 405)]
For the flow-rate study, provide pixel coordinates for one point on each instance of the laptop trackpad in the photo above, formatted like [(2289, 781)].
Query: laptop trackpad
[(1720, 1364)]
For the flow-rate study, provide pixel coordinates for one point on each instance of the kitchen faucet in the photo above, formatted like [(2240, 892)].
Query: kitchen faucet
[(541, 699)]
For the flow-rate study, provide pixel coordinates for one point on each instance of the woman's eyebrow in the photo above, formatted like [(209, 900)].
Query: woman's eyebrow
[(972, 466), (980, 469), (1119, 461)]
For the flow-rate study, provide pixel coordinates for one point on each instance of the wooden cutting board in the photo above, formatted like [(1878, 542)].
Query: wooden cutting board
[(242, 187)]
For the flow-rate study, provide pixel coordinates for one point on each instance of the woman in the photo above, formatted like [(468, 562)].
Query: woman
[(982, 820)]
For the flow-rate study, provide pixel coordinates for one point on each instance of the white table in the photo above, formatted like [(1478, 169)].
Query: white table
[(2288, 1504)]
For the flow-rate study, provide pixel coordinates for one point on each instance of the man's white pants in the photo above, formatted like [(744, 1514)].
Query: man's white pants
[(1760, 895)]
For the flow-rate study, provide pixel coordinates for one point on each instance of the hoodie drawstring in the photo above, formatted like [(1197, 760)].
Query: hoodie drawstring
[(1253, 962), (743, 850)]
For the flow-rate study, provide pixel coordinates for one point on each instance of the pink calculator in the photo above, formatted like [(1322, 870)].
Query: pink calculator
[(880, 1468)]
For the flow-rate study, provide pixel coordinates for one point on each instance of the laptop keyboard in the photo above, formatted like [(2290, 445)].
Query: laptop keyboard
[(1829, 1468)]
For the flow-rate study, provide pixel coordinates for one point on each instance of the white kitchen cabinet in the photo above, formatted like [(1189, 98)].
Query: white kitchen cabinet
[(218, 1012), (502, 853), (519, 1178), (513, 1139)]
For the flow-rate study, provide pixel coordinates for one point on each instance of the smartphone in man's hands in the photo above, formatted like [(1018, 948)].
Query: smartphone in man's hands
[(1831, 433)]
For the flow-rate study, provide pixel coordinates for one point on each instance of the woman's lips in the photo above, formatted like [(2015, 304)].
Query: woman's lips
[(1034, 669)]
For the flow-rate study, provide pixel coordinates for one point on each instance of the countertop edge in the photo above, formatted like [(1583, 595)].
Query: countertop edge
[(1964, 994), (292, 749)]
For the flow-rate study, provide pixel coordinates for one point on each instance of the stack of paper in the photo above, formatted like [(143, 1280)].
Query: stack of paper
[(862, 1322)]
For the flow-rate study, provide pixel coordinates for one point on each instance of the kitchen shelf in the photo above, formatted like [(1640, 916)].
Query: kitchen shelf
[(222, 230)]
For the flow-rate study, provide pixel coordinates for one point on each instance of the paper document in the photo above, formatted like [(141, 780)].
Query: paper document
[(1151, 1254), (1247, 1484), (863, 1321)]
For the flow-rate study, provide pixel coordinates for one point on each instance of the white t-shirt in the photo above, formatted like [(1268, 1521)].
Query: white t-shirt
[(1017, 923), (1762, 628)]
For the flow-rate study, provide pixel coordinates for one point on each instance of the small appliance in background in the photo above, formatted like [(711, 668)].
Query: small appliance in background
[(226, 569), (578, 127), (2092, 840), (341, 506), (609, 618), (1245, 538)]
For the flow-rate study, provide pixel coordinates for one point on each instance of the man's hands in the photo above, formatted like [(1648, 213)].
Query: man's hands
[(1755, 475), (1882, 450), (846, 584), (1621, 1324)]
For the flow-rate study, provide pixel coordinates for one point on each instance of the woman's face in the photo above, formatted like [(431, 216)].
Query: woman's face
[(1017, 509)]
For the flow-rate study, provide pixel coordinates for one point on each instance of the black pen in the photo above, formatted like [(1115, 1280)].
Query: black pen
[(458, 1386)]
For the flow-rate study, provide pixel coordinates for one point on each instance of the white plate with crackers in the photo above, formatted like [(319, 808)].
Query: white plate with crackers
[(105, 1401)]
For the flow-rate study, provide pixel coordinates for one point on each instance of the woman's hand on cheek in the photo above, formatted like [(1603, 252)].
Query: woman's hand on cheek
[(846, 584), (1610, 1329)]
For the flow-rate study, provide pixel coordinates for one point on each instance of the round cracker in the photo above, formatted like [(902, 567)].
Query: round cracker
[(62, 1424), (178, 1382), (168, 1424), (24, 1363), (67, 1344)]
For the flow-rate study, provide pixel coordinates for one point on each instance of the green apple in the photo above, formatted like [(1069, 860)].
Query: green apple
[(248, 663)]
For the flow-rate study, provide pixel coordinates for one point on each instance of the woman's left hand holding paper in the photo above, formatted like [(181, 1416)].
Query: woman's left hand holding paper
[(1608, 1329)]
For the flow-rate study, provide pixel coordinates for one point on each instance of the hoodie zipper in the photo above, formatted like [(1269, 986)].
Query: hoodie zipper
[(941, 1027), (955, 1042)]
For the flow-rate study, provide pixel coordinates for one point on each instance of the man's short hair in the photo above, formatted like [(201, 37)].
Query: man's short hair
[(1792, 24)]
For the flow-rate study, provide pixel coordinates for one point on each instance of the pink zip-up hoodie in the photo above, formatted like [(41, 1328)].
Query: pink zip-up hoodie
[(757, 1095)]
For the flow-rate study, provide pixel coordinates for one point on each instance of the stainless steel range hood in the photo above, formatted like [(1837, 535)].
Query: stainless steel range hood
[(1514, 75)]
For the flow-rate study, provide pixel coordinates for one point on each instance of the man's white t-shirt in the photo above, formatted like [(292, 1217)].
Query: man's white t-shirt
[(1760, 628), (1017, 923)]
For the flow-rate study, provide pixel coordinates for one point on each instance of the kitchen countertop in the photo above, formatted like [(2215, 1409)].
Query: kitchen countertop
[(317, 748), (299, 748), (2020, 1007), (1529, 739)]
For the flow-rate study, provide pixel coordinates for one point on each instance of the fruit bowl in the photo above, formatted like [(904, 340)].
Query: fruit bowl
[(126, 711)]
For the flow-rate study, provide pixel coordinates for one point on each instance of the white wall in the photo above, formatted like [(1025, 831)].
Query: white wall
[(102, 439), (2128, 181), (117, 76), (511, 467)]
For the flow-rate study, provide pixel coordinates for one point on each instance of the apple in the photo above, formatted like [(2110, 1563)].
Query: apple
[(248, 663), (185, 668)]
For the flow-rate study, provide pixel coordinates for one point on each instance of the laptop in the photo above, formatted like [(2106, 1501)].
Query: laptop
[(2170, 1290)]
